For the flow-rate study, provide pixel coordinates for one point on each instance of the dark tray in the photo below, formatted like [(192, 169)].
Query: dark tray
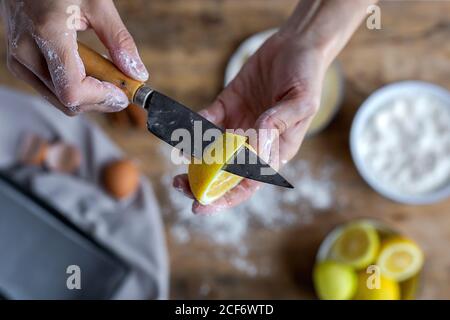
[(37, 244)]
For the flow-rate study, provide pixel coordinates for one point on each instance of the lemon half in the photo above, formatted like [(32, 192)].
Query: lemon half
[(357, 245), (400, 258), (207, 180)]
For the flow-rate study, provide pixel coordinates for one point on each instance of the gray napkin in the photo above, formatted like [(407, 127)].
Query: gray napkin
[(131, 228)]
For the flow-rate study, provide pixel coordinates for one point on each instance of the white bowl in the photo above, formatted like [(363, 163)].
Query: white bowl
[(368, 108), (245, 50)]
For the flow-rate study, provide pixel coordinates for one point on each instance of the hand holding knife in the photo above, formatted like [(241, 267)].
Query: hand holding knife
[(166, 115)]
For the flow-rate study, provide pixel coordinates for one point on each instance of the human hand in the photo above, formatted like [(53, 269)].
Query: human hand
[(277, 91), (42, 50), (279, 88)]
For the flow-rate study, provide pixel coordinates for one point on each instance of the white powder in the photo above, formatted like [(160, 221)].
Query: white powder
[(131, 64), (270, 208), (245, 266), (406, 144)]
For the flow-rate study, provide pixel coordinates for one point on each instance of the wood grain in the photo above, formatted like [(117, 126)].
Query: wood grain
[(186, 45)]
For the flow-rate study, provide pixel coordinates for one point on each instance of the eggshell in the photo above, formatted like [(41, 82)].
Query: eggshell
[(62, 157), (120, 178), (33, 150)]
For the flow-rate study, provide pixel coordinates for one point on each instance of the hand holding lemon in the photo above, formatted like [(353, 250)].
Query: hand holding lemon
[(213, 188)]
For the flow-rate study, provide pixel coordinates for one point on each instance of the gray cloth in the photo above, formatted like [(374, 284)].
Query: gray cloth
[(131, 228)]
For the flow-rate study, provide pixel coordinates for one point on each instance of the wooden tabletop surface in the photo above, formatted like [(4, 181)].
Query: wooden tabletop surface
[(186, 45)]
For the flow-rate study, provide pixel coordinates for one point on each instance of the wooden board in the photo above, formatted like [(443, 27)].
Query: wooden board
[(186, 45)]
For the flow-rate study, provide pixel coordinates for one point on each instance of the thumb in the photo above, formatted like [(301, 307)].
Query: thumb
[(275, 122), (109, 27), (286, 114)]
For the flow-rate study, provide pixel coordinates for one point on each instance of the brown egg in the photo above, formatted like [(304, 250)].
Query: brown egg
[(120, 178), (33, 149), (63, 158)]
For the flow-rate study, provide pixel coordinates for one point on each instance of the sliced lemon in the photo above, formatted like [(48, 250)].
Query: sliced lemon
[(334, 281), (400, 258), (378, 289), (357, 245), (207, 180)]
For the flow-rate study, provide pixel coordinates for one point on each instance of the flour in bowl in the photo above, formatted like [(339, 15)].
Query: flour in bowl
[(406, 144)]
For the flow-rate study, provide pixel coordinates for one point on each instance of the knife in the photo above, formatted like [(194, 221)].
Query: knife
[(166, 115)]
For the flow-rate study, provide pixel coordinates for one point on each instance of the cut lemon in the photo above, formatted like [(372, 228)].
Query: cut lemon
[(334, 281), (357, 245), (400, 258), (207, 180), (379, 289)]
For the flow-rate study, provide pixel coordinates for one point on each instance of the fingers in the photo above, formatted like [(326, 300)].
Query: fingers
[(225, 108), (106, 22), (287, 114), (241, 193), (21, 72), (27, 53), (181, 184), (215, 112), (75, 91), (291, 114), (48, 52), (234, 197), (292, 140)]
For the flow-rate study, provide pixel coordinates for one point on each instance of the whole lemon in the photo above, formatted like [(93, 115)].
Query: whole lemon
[(334, 281)]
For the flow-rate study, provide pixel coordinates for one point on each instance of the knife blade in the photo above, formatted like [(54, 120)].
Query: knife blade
[(166, 115)]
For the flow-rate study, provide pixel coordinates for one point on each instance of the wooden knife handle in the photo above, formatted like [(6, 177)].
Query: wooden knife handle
[(101, 68)]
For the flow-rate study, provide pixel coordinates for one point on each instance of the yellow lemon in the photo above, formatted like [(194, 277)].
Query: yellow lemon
[(357, 245), (400, 258), (334, 281), (207, 180), (409, 288), (371, 288)]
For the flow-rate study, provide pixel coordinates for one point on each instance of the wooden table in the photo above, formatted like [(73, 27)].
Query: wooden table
[(186, 44)]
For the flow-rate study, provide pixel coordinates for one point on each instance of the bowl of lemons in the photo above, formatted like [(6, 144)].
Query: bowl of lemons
[(365, 259)]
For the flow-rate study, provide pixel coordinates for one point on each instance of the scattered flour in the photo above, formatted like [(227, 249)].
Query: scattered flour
[(270, 208)]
